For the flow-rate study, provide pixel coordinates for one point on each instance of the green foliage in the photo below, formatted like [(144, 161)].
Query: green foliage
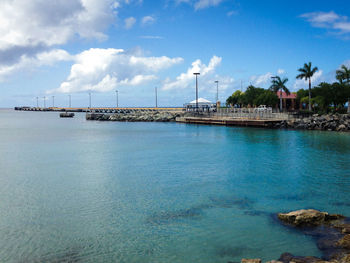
[(267, 98), (343, 75), (251, 94), (236, 98)]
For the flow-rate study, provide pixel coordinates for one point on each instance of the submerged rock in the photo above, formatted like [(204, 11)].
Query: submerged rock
[(307, 217), (255, 260)]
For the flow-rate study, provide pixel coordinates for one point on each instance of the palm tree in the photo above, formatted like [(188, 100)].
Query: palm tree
[(278, 84), (343, 74), (306, 73)]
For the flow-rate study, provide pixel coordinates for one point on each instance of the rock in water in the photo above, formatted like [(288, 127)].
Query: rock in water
[(303, 217), (344, 242), (255, 260)]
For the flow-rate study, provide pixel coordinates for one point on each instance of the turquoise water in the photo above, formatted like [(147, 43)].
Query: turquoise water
[(78, 191)]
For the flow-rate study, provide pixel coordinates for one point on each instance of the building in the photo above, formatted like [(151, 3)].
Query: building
[(203, 105), (288, 101)]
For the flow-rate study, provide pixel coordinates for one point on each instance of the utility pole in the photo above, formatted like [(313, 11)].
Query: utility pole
[(217, 90), (116, 92), (70, 104), (44, 101), (53, 101), (196, 74), (37, 102), (241, 85), (155, 89)]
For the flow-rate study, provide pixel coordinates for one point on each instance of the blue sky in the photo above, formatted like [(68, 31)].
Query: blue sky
[(81, 46)]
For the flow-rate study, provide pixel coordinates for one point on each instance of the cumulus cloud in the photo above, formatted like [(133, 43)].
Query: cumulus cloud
[(316, 79), (46, 58), (330, 20), (28, 28), (104, 69), (264, 79), (147, 20), (129, 22), (207, 75)]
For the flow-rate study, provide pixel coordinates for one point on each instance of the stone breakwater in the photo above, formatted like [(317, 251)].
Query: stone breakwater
[(137, 116), (327, 122), (331, 233)]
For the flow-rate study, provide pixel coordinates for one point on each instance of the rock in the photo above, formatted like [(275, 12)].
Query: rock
[(255, 260), (304, 217), (344, 242), (274, 261), (341, 127), (345, 259)]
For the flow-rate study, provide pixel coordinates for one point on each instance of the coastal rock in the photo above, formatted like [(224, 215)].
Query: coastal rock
[(255, 260), (344, 242), (303, 217)]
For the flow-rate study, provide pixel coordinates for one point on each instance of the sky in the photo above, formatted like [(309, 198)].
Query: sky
[(76, 47)]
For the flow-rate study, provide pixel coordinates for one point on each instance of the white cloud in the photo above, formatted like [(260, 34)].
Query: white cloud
[(304, 84), (231, 13), (46, 58), (104, 69), (207, 76), (129, 22), (200, 4), (260, 80), (281, 71), (329, 20), (151, 37), (147, 20)]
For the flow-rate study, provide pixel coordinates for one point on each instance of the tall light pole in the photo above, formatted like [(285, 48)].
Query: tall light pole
[(37, 102), (155, 89), (217, 90), (70, 104), (44, 101), (53, 101), (196, 74), (116, 92), (90, 99)]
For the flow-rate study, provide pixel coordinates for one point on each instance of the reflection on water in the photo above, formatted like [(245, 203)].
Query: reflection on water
[(78, 191)]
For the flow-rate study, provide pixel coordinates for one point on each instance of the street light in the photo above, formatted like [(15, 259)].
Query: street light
[(196, 74), (116, 92), (37, 102), (53, 101), (155, 89), (217, 90), (70, 104), (89, 99), (44, 101)]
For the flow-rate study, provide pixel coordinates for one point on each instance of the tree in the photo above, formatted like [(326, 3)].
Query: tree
[(267, 98), (306, 73), (251, 94), (278, 84), (235, 98), (343, 74)]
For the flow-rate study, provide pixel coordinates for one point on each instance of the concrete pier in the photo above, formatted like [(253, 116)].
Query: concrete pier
[(229, 121)]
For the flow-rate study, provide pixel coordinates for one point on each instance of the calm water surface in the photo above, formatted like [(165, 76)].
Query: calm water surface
[(78, 191)]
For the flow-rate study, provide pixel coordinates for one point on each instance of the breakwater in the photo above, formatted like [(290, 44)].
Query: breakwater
[(137, 116), (327, 122)]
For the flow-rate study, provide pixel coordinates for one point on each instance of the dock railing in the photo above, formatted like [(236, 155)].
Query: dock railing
[(245, 113)]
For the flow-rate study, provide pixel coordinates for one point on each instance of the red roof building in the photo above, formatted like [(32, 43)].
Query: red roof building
[(288, 101)]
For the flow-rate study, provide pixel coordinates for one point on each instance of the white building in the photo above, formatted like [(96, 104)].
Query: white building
[(203, 105)]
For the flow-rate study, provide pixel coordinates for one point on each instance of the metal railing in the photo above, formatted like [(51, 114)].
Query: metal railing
[(243, 113)]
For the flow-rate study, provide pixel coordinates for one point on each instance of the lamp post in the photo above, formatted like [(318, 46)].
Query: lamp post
[(116, 92), (196, 74), (217, 90), (37, 102), (53, 101), (44, 101), (70, 104), (155, 89)]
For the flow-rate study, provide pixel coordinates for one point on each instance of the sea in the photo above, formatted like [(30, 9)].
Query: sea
[(73, 190)]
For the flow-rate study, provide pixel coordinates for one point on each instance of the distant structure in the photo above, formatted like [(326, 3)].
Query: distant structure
[(288, 101), (203, 105)]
